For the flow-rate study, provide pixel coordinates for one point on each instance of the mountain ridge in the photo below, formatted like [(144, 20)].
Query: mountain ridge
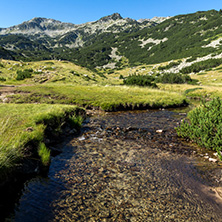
[(54, 28), (113, 41)]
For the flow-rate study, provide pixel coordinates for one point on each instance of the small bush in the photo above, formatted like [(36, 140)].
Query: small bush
[(110, 72), (2, 79), (174, 78), (140, 80), (21, 75), (101, 75), (191, 59), (204, 125), (121, 77), (49, 63)]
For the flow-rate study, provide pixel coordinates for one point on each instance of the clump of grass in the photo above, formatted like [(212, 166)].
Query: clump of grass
[(75, 121), (191, 90), (44, 154), (204, 125)]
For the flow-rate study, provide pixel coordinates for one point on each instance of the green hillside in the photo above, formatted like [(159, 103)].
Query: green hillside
[(192, 35)]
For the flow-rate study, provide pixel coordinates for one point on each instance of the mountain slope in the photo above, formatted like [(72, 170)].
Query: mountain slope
[(179, 37), (193, 35), (5, 54), (41, 38), (115, 42), (47, 38)]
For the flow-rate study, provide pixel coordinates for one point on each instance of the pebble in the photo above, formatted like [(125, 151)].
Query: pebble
[(159, 131), (213, 160), (81, 138)]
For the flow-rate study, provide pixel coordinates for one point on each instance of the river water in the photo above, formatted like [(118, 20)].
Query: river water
[(127, 166)]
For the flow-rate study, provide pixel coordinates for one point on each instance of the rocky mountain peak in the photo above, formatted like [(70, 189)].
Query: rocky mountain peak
[(39, 25), (114, 16), (38, 20), (46, 23)]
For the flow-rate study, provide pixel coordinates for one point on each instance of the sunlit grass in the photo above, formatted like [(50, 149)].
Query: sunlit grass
[(201, 91), (105, 97), (22, 123), (47, 71)]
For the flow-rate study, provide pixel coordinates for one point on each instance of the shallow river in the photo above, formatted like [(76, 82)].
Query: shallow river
[(127, 166)]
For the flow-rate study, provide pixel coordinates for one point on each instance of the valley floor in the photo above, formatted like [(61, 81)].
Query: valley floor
[(34, 107)]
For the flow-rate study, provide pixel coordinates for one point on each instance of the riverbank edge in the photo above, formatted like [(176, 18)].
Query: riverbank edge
[(133, 107), (31, 164)]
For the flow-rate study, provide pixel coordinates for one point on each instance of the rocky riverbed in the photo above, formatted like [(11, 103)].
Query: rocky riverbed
[(128, 166)]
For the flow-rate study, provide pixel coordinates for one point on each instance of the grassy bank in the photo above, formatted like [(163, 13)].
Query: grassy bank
[(108, 98), (23, 128), (195, 92)]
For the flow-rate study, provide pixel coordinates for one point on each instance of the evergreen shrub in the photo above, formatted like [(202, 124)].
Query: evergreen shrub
[(21, 75), (177, 78), (203, 65), (2, 79), (204, 125), (140, 80)]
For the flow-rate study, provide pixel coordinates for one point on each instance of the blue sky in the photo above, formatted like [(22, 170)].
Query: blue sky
[(14, 12)]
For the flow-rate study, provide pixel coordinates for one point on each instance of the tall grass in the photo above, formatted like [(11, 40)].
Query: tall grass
[(21, 124), (194, 91), (44, 154)]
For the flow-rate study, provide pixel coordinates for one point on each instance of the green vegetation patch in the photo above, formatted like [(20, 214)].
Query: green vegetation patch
[(24, 126), (108, 98), (44, 154), (176, 78), (203, 65), (191, 90), (140, 80), (170, 65), (2, 79), (204, 125), (21, 75)]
